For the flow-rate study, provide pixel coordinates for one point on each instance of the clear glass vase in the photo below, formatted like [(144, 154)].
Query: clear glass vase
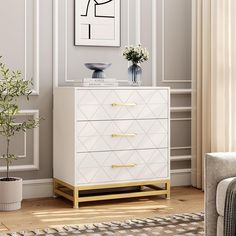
[(135, 74)]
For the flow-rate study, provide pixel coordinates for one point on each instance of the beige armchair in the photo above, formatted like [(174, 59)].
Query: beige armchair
[(218, 167)]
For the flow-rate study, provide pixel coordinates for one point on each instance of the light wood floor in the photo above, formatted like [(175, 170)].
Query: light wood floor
[(43, 213)]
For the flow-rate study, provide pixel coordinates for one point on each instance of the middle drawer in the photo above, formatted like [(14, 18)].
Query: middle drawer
[(95, 136)]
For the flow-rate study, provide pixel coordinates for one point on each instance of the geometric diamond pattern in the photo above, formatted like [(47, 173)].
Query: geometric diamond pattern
[(95, 168), (96, 136), (97, 120), (96, 104)]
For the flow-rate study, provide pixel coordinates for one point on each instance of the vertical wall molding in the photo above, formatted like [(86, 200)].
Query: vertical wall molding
[(55, 43), (138, 22), (35, 76), (128, 28), (36, 47), (25, 35), (154, 42), (35, 164), (163, 40), (66, 44), (25, 147), (154, 20), (154, 47)]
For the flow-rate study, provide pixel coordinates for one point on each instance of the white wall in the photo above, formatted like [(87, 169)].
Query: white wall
[(163, 26), (26, 44)]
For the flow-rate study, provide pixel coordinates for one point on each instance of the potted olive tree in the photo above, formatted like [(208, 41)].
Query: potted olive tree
[(12, 87)]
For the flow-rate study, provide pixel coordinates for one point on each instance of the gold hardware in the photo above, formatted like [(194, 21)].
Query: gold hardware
[(124, 166), (124, 104), (123, 135)]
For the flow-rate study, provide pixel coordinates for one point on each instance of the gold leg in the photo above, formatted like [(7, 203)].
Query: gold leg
[(76, 198), (167, 185), (61, 188)]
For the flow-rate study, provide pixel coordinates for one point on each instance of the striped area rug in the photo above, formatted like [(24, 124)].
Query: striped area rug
[(176, 225)]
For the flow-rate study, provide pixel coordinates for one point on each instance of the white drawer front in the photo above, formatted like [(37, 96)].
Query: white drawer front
[(111, 167), (121, 135), (121, 104)]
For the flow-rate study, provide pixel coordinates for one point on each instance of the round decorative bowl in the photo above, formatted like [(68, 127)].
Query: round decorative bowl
[(98, 69)]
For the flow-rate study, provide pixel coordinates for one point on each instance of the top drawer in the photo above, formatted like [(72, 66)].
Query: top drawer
[(121, 104)]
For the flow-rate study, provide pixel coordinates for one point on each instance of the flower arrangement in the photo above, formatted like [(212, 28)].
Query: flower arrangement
[(136, 54)]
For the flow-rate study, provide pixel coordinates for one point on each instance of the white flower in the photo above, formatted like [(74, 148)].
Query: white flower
[(136, 54)]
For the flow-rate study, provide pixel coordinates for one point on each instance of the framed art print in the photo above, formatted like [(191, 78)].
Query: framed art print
[(97, 23)]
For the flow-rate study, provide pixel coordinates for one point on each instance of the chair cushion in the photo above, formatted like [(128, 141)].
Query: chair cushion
[(221, 194)]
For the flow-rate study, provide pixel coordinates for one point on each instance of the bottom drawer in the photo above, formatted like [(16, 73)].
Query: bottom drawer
[(121, 166)]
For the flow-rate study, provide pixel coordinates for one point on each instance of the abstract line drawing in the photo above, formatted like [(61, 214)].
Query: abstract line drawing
[(89, 33), (96, 3), (97, 22)]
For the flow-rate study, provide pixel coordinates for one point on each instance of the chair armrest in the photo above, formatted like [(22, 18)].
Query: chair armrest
[(218, 166)]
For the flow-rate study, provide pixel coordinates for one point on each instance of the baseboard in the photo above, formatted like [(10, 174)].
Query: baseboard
[(38, 188), (181, 179), (42, 188)]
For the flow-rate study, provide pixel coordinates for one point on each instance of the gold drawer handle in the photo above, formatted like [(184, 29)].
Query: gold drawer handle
[(123, 135), (124, 166), (123, 104)]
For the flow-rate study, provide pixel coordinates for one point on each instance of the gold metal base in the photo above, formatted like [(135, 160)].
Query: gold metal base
[(71, 192)]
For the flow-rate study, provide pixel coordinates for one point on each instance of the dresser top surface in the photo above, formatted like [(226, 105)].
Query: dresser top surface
[(117, 88)]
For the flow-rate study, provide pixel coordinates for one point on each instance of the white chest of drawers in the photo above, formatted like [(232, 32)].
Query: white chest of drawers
[(110, 138)]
